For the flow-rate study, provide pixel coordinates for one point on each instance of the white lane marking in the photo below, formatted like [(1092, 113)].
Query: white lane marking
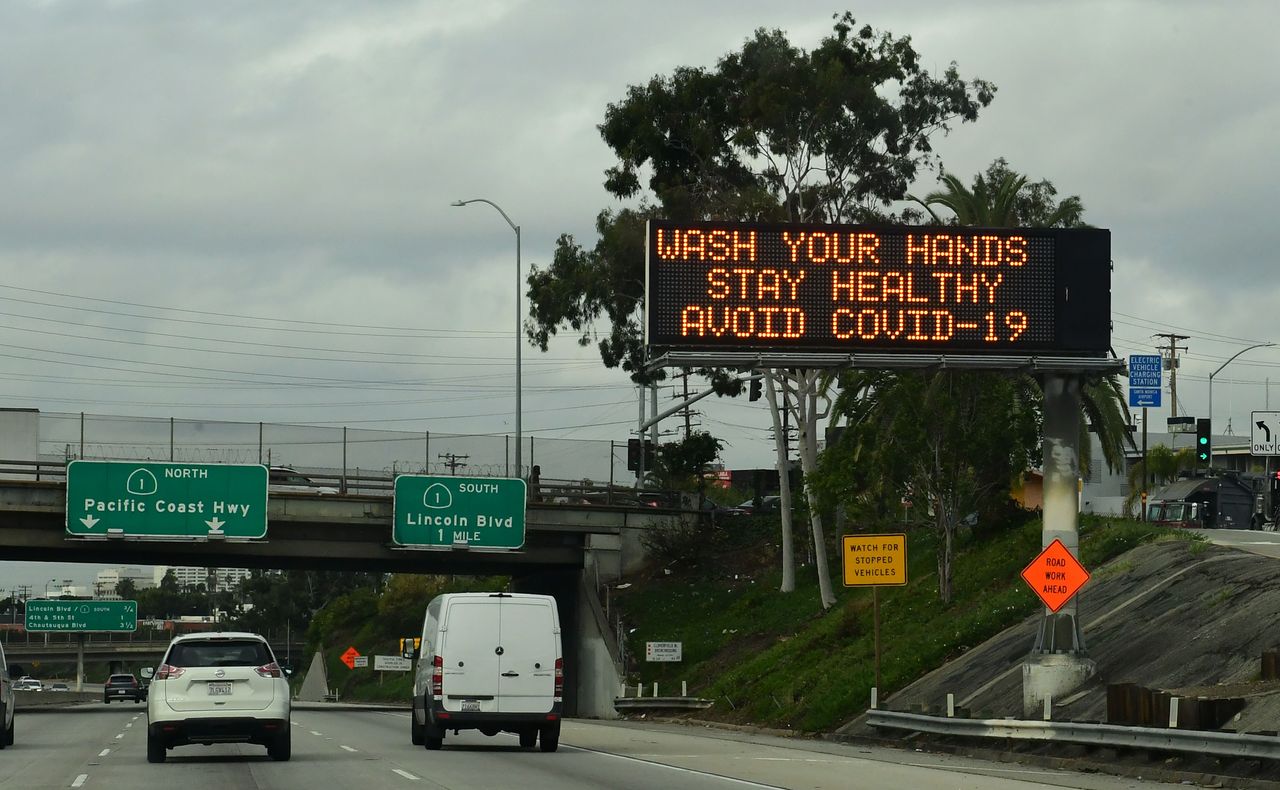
[(121, 735), (691, 771), (318, 735), (348, 748), (104, 752), (80, 780), (406, 775), (296, 724), (128, 725)]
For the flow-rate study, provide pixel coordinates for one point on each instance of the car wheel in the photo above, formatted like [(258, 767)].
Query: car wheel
[(416, 734), (10, 735), (528, 739), (6, 737), (281, 748), (550, 737), (155, 749), (136, 700), (106, 700)]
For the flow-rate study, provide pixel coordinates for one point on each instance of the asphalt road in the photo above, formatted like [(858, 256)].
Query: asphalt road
[(1256, 541), (106, 748)]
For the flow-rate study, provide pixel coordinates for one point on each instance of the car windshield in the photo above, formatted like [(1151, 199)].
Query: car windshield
[(219, 653)]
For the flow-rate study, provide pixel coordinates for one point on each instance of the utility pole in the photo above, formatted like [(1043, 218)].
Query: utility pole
[(454, 461), (687, 428), (1172, 362)]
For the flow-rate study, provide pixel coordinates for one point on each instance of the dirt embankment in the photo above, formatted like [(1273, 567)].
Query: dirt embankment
[(1189, 619)]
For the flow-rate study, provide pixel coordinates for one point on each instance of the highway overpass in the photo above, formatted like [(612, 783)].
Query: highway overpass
[(569, 551)]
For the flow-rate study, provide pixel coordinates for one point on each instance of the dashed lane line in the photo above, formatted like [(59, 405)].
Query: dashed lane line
[(348, 748), (80, 780), (317, 734), (104, 752), (406, 775)]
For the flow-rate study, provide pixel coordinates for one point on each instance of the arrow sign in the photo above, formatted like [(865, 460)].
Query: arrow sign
[(1264, 439), (89, 521), (215, 524)]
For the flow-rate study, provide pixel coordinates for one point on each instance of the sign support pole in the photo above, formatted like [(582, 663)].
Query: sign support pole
[(875, 616), (1146, 470), (79, 662)]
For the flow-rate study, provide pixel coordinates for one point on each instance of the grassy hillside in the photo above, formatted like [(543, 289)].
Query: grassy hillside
[(765, 658), (773, 659)]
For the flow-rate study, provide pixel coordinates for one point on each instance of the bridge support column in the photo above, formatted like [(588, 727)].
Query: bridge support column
[(1059, 663)]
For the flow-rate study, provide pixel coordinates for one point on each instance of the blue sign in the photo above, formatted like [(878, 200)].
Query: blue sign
[(1145, 385), (1144, 397)]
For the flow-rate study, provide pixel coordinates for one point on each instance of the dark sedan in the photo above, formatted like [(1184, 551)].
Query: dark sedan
[(123, 687)]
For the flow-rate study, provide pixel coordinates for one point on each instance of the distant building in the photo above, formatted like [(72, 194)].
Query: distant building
[(105, 584), (225, 579)]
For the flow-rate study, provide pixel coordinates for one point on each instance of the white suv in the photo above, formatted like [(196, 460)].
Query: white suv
[(218, 688), (6, 703)]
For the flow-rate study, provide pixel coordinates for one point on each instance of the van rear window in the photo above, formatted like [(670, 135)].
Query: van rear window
[(220, 653)]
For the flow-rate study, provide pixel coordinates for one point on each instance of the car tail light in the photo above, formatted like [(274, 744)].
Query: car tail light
[(271, 670), (166, 672), (559, 693), (437, 676)]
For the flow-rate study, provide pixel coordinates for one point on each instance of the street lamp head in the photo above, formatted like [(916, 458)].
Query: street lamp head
[(458, 203)]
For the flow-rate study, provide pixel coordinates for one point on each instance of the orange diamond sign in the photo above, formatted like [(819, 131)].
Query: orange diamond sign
[(1055, 575), (349, 657)]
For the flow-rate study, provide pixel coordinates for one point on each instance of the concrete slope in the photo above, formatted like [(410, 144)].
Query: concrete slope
[(1190, 619)]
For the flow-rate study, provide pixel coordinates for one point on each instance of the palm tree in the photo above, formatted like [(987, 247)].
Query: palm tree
[(1164, 464), (1002, 198)]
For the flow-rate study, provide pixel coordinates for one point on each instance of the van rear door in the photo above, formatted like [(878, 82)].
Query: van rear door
[(468, 645), (526, 682)]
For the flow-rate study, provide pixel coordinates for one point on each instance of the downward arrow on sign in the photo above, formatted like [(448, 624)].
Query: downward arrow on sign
[(89, 521), (1261, 424), (215, 524)]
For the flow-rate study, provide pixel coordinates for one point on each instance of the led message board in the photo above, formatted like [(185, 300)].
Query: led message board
[(850, 288)]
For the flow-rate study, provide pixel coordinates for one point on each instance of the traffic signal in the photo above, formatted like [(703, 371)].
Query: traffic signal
[(633, 455), (1203, 441), (754, 390)]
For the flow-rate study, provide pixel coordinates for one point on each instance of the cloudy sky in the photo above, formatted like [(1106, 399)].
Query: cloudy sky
[(240, 210)]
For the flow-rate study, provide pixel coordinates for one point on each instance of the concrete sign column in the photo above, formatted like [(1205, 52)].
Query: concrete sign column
[(1059, 662)]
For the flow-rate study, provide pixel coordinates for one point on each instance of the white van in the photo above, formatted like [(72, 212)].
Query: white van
[(490, 662)]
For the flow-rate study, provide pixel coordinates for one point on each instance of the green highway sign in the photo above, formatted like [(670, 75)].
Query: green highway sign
[(59, 615), (471, 512), (166, 500)]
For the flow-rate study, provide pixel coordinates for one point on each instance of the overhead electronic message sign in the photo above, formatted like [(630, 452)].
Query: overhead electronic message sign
[(851, 288)]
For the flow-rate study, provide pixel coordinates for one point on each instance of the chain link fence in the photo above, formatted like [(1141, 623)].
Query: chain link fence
[(325, 449)]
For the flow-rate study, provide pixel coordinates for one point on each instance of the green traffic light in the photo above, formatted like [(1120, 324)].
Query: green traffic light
[(1204, 440)]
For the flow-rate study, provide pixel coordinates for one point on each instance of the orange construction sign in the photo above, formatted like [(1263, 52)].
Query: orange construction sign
[(349, 657), (1055, 575)]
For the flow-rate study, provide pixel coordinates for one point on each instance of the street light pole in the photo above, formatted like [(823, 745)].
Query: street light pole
[(1214, 373), (516, 228)]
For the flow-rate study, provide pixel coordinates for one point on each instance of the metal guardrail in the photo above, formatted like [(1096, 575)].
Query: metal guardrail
[(658, 703), (1222, 744)]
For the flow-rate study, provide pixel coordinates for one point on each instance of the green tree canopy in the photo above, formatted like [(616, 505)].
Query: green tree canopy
[(772, 132)]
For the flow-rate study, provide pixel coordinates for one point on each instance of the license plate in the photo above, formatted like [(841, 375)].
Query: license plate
[(121, 691), (220, 689), (471, 705)]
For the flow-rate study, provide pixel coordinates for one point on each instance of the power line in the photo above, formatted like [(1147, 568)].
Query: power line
[(167, 308)]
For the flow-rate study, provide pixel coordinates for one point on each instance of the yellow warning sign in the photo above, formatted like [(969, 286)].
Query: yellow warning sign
[(871, 560)]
